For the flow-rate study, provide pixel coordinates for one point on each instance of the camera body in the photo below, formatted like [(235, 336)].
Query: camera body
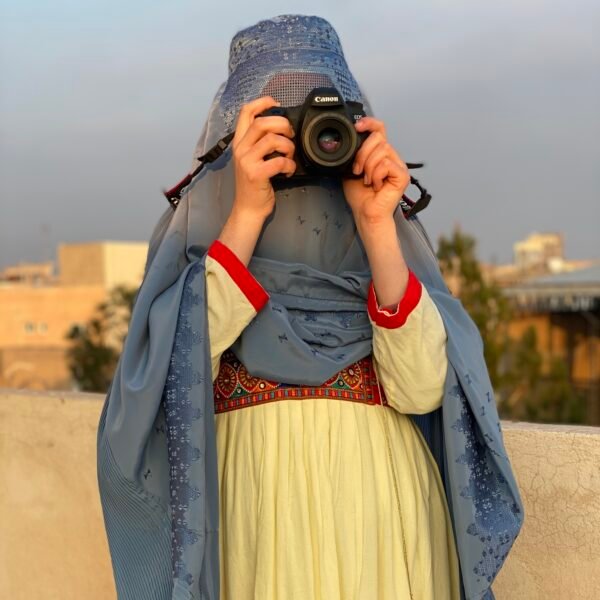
[(325, 138)]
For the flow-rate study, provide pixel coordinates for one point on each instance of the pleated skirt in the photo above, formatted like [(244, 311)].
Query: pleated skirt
[(327, 499)]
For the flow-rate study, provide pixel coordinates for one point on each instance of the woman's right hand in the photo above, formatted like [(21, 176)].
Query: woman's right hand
[(255, 138)]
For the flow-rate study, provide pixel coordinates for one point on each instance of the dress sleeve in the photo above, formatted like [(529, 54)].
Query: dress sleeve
[(233, 298), (409, 349)]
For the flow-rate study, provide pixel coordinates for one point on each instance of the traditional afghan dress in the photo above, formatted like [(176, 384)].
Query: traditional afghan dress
[(330, 492)]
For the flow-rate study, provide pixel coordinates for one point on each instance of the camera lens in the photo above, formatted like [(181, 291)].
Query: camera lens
[(329, 140)]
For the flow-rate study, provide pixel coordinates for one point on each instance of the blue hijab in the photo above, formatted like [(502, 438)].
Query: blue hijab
[(156, 444)]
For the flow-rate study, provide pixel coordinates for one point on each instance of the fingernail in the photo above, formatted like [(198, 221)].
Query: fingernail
[(366, 180), (356, 169)]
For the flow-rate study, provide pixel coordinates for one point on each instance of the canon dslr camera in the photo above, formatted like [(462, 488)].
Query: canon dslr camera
[(325, 138)]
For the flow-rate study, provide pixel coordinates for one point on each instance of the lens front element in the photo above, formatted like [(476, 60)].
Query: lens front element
[(329, 139)]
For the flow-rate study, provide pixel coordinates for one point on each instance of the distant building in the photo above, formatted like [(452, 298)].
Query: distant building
[(32, 273), (564, 309), (39, 307), (538, 249), (104, 264), (538, 254), (560, 299)]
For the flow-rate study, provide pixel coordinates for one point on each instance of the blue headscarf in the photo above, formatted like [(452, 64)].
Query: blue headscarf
[(157, 456)]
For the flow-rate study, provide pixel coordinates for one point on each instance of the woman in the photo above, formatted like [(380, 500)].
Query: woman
[(321, 425)]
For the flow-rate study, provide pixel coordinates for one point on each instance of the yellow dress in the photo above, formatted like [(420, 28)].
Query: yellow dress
[(324, 498)]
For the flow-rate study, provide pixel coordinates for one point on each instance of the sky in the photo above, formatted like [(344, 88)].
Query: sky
[(102, 102)]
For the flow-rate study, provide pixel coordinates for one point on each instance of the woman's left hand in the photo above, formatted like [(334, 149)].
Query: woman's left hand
[(375, 196)]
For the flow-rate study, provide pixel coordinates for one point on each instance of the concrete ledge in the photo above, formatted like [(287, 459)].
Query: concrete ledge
[(53, 543), (557, 554)]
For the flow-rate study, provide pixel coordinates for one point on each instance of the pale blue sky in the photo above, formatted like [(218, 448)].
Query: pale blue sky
[(101, 104)]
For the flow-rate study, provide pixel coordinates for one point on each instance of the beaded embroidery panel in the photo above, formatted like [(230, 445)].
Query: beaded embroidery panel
[(235, 388)]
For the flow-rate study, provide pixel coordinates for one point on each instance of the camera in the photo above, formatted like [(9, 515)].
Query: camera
[(325, 139)]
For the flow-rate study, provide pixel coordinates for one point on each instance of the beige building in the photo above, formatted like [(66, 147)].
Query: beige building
[(564, 310), (538, 248), (538, 254), (104, 264), (29, 273), (39, 307)]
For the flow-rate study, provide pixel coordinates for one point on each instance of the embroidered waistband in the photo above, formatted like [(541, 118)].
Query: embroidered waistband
[(235, 388)]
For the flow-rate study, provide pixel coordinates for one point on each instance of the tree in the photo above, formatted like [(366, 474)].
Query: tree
[(523, 373), (557, 401), (484, 301), (535, 396), (524, 389), (95, 348)]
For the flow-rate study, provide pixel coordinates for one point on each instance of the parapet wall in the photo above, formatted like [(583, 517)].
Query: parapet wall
[(53, 544)]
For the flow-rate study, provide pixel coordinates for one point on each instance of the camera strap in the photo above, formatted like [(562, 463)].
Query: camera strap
[(173, 195)]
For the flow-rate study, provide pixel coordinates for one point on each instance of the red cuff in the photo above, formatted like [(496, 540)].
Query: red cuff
[(237, 270), (385, 318)]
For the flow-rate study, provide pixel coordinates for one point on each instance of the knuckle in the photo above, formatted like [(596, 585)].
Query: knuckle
[(281, 124), (283, 143), (290, 145), (270, 139), (244, 163), (371, 160), (281, 140), (373, 140), (260, 124)]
